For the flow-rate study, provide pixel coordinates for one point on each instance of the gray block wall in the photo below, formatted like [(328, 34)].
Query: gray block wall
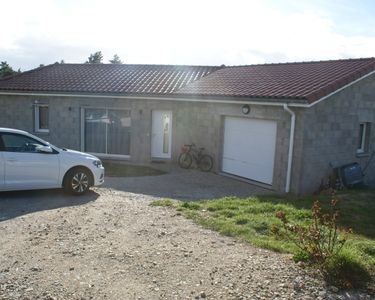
[(331, 134), (193, 122)]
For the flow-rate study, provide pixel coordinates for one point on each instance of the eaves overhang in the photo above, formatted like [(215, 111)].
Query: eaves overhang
[(169, 97)]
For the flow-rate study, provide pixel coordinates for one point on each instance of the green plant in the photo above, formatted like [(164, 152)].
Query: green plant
[(346, 271), (162, 202), (253, 220), (321, 239), (321, 243)]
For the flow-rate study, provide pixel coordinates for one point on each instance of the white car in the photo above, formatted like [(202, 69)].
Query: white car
[(28, 162)]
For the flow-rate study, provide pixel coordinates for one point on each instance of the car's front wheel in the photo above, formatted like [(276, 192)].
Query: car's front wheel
[(77, 181)]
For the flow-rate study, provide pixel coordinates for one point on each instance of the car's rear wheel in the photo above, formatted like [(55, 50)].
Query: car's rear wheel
[(77, 181)]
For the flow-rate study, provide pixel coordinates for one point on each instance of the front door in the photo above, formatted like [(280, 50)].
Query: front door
[(161, 138)]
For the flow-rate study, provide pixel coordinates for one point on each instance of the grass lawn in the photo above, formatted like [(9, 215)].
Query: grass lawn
[(119, 169), (251, 219)]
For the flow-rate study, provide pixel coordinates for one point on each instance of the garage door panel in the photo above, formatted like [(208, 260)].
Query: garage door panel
[(249, 148), (246, 170)]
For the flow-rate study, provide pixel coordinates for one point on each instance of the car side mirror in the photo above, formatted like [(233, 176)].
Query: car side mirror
[(45, 149)]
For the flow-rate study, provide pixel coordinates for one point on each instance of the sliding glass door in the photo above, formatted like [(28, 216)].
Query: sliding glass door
[(107, 131)]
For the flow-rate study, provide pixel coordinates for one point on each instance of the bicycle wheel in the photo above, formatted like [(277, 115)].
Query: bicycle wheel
[(205, 163), (185, 160)]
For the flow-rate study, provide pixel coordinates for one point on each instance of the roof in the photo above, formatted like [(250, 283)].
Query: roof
[(307, 81), (106, 78), (304, 82)]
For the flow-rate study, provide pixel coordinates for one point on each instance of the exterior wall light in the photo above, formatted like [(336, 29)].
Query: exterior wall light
[(245, 109)]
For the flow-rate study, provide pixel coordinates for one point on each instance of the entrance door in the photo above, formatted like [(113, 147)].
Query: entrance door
[(161, 139)]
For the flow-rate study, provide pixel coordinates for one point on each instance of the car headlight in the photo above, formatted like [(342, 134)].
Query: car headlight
[(97, 163)]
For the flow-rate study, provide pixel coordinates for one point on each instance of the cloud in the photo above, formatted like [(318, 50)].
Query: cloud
[(174, 32)]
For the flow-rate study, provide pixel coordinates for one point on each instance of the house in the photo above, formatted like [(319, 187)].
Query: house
[(279, 125)]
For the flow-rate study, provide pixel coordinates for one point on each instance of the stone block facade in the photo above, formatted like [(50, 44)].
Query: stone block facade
[(330, 131), (201, 123), (326, 134)]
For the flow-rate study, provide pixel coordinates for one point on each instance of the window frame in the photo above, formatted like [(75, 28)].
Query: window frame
[(363, 138), (37, 118), (105, 154)]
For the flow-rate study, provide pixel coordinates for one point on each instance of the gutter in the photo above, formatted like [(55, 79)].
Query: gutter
[(180, 99), (334, 92), (291, 146)]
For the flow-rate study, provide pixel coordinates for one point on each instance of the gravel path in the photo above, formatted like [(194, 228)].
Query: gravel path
[(186, 185), (111, 244)]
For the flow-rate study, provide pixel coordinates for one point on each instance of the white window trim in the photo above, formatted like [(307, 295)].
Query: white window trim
[(36, 118), (363, 138)]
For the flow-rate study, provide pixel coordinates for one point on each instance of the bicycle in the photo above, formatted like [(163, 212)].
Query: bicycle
[(190, 152)]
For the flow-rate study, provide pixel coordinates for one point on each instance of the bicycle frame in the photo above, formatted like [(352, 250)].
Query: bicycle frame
[(193, 151), (190, 153)]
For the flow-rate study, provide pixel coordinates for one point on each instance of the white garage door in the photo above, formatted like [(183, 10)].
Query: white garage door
[(249, 148)]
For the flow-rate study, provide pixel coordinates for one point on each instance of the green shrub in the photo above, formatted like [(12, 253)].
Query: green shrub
[(191, 205), (321, 243), (164, 202), (346, 271)]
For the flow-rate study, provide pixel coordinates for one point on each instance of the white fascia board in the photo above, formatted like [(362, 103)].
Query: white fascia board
[(333, 93), (186, 99)]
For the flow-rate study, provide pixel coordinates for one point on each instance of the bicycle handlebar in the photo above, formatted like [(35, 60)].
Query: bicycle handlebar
[(190, 146)]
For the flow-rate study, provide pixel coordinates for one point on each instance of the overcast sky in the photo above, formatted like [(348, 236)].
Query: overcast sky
[(202, 32)]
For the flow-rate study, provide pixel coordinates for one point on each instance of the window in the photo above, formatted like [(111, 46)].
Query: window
[(363, 140), (41, 118), (107, 131), (19, 143)]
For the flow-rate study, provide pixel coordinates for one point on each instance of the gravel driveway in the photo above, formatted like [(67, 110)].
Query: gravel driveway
[(186, 185), (110, 244)]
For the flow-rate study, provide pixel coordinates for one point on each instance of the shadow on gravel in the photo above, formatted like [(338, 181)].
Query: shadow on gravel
[(185, 185), (15, 204)]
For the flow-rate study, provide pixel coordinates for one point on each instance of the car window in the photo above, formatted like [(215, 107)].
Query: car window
[(19, 143)]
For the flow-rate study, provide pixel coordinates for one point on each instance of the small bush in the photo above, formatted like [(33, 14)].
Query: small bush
[(164, 202), (321, 243), (346, 271), (301, 256), (320, 239), (191, 205)]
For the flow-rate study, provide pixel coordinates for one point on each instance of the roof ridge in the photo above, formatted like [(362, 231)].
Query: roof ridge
[(305, 62), (149, 65)]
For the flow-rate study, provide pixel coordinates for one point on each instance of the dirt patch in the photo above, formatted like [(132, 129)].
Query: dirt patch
[(114, 245)]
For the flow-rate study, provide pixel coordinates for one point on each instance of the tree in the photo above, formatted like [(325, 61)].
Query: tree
[(116, 60), (95, 58), (6, 69)]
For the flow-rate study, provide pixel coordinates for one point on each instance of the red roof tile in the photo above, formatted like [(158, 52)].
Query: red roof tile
[(303, 81), (106, 78), (306, 81)]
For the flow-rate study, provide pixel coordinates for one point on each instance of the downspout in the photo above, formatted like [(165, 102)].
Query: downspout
[(291, 146)]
